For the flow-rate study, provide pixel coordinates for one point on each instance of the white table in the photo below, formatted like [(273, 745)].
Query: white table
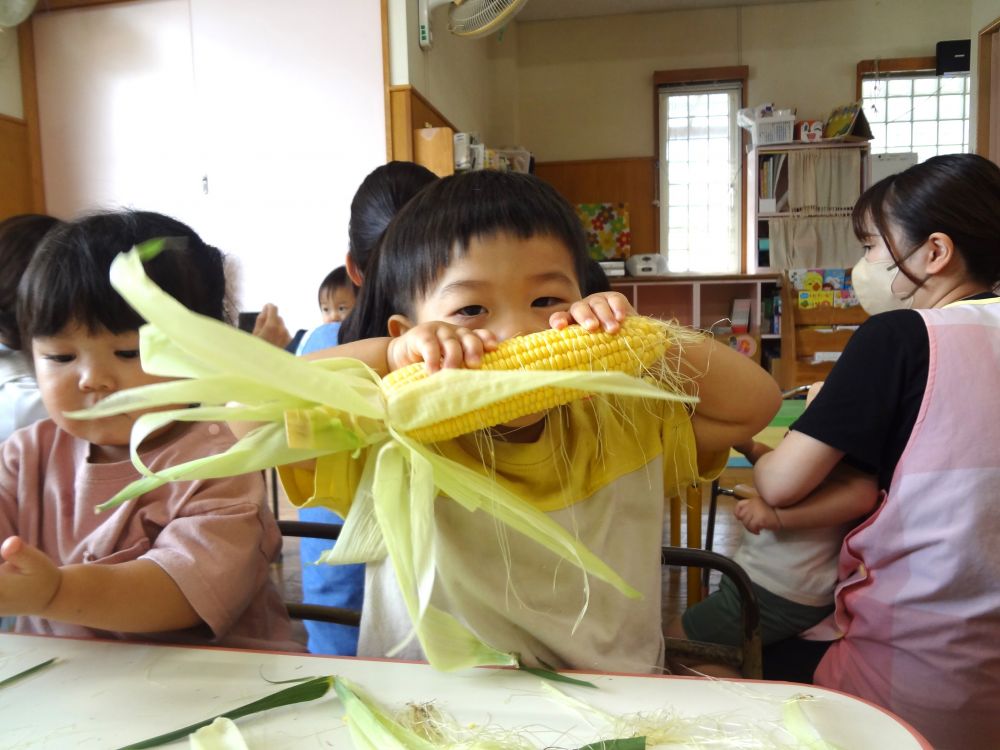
[(107, 694)]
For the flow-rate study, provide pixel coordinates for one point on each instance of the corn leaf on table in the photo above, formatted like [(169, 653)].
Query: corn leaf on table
[(105, 694)]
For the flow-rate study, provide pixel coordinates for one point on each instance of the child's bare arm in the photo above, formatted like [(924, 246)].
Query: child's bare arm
[(752, 450), (847, 494), (736, 397), (794, 468), (131, 597)]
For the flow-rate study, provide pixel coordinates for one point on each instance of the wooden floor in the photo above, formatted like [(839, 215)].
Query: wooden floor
[(288, 571)]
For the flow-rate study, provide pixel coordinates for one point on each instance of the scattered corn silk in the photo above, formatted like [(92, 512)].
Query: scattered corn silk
[(310, 409), (668, 728), (221, 734)]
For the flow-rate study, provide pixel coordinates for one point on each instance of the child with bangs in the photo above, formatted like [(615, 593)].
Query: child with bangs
[(471, 261), (187, 562)]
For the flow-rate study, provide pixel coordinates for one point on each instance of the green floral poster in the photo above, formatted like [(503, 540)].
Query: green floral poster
[(606, 225)]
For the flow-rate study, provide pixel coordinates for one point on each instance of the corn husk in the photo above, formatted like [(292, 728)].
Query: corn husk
[(221, 734), (25, 673), (310, 409)]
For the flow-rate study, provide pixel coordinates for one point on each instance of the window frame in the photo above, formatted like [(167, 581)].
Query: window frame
[(699, 76), (915, 66)]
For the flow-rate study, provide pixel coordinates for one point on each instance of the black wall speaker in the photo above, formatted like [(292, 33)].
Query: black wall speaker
[(953, 57)]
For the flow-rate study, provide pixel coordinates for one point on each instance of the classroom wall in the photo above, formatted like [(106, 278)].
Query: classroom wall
[(585, 85), (251, 126), (10, 76), (472, 82)]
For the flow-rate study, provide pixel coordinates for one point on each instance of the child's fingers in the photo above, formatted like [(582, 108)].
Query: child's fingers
[(620, 305), (606, 316), (22, 557), (475, 343), (593, 314), (560, 320), (450, 347)]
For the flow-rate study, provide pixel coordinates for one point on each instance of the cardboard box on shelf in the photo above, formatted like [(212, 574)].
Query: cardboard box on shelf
[(435, 149)]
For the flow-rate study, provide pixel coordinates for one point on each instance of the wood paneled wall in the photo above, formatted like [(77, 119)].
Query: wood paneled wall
[(630, 180), (409, 111), (15, 168)]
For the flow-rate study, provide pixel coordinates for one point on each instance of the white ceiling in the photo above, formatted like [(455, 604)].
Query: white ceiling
[(543, 10)]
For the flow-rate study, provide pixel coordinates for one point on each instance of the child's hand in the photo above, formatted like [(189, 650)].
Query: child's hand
[(440, 345), (813, 392), (755, 515), (270, 327), (29, 580), (604, 310)]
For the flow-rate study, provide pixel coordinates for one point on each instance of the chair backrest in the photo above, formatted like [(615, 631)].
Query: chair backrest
[(317, 612), (748, 657)]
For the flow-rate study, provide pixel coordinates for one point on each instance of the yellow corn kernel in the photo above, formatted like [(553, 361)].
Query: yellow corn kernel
[(640, 344)]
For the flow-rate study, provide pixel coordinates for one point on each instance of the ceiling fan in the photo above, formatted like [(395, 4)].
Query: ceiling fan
[(471, 18), (13, 12)]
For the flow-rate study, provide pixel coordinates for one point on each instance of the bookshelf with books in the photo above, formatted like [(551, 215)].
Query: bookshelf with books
[(818, 319), (778, 194)]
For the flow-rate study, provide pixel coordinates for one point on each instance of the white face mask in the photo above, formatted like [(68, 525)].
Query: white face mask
[(873, 286)]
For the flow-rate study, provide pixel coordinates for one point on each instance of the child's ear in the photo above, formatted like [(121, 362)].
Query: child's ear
[(398, 325)]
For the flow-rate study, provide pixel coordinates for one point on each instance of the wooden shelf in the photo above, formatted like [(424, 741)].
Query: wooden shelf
[(806, 332), (695, 300)]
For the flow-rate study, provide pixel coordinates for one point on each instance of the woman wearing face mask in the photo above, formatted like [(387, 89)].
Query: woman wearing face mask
[(915, 401)]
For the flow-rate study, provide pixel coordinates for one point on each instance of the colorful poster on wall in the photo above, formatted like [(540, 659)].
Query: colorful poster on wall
[(609, 235)]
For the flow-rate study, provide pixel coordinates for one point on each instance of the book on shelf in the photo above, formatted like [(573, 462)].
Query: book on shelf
[(769, 199)]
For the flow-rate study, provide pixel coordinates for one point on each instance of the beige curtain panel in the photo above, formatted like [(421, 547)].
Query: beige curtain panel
[(823, 179), (813, 242)]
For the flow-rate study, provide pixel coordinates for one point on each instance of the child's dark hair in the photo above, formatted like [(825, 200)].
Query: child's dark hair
[(437, 225), (956, 194), (596, 280), (19, 239), (67, 280), (336, 279)]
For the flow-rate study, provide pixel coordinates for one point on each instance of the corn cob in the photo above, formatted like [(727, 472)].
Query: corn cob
[(641, 343)]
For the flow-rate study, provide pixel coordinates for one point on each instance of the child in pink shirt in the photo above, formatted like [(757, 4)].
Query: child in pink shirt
[(188, 561)]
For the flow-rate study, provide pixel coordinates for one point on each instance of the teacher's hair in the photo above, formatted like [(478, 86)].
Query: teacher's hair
[(956, 194)]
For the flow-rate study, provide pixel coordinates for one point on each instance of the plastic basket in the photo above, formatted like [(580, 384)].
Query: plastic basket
[(770, 130)]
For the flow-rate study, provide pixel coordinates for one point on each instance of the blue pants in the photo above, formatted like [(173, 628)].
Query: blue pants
[(331, 585)]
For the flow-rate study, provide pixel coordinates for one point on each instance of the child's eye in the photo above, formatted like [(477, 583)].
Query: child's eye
[(60, 358), (471, 311), (127, 353), (343, 308), (547, 302)]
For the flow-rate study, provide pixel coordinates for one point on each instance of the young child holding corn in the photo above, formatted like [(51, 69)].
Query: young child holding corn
[(472, 261), (188, 562)]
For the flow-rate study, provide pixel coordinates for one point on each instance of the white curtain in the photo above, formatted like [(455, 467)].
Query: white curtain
[(813, 242)]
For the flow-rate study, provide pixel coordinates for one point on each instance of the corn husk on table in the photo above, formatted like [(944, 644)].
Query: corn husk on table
[(309, 409)]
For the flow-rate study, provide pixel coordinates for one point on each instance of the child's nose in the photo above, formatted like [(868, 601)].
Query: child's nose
[(97, 379), (518, 325)]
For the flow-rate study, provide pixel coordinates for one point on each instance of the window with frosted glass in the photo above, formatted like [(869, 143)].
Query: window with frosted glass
[(923, 114), (700, 178)]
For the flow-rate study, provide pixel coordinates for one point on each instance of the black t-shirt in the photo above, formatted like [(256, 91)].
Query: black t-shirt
[(869, 403)]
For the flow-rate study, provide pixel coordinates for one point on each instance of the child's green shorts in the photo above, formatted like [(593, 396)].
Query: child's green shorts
[(716, 619)]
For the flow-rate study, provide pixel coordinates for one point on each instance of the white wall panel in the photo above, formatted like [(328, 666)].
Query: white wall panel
[(279, 105)]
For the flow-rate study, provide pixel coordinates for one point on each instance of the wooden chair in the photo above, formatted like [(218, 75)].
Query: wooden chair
[(317, 612), (747, 657)]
